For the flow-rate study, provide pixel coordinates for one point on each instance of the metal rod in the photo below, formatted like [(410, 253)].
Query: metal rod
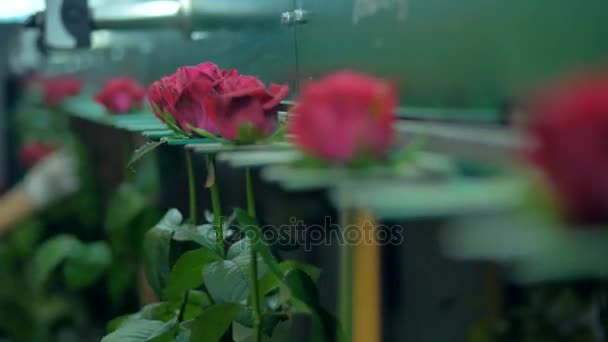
[(190, 16)]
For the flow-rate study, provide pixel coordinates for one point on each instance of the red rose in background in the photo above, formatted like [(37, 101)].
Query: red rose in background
[(217, 101), (247, 110), (56, 89), (570, 132), (345, 116), (121, 95), (34, 151), (185, 96)]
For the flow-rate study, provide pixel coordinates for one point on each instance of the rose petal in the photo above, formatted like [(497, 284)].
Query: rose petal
[(277, 93)]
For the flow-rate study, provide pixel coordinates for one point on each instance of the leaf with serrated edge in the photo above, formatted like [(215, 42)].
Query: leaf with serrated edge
[(270, 282), (252, 230), (165, 332), (156, 248), (214, 322), (305, 299), (227, 280), (301, 287), (238, 248), (144, 150), (203, 235), (187, 273), (134, 331), (208, 216)]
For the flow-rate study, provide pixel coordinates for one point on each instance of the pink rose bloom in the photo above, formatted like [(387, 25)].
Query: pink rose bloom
[(345, 116), (121, 95), (34, 151), (57, 89), (185, 96), (237, 107), (246, 110), (569, 128)]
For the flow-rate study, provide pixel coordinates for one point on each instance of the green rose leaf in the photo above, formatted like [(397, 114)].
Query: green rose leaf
[(136, 331), (197, 302), (187, 273), (157, 248), (50, 255), (212, 324), (123, 208), (86, 264), (299, 286), (168, 119), (162, 312), (203, 235), (277, 136), (183, 336), (117, 322), (271, 282), (251, 228), (302, 291), (165, 333), (238, 248), (144, 150), (247, 134), (206, 134), (407, 154), (304, 298), (25, 239), (120, 279), (312, 271), (226, 280)]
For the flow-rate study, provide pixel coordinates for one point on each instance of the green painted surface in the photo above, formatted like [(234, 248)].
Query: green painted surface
[(457, 196), (481, 115), (183, 142), (443, 53), (157, 135)]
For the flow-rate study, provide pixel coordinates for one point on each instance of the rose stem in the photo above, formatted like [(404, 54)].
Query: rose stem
[(255, 300), (182, 308), (345, 310), (216, 205), (250, 197), (128, 151), (191, 186)]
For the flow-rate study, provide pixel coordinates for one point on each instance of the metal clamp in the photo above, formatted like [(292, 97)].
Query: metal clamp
[(295, 17)]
